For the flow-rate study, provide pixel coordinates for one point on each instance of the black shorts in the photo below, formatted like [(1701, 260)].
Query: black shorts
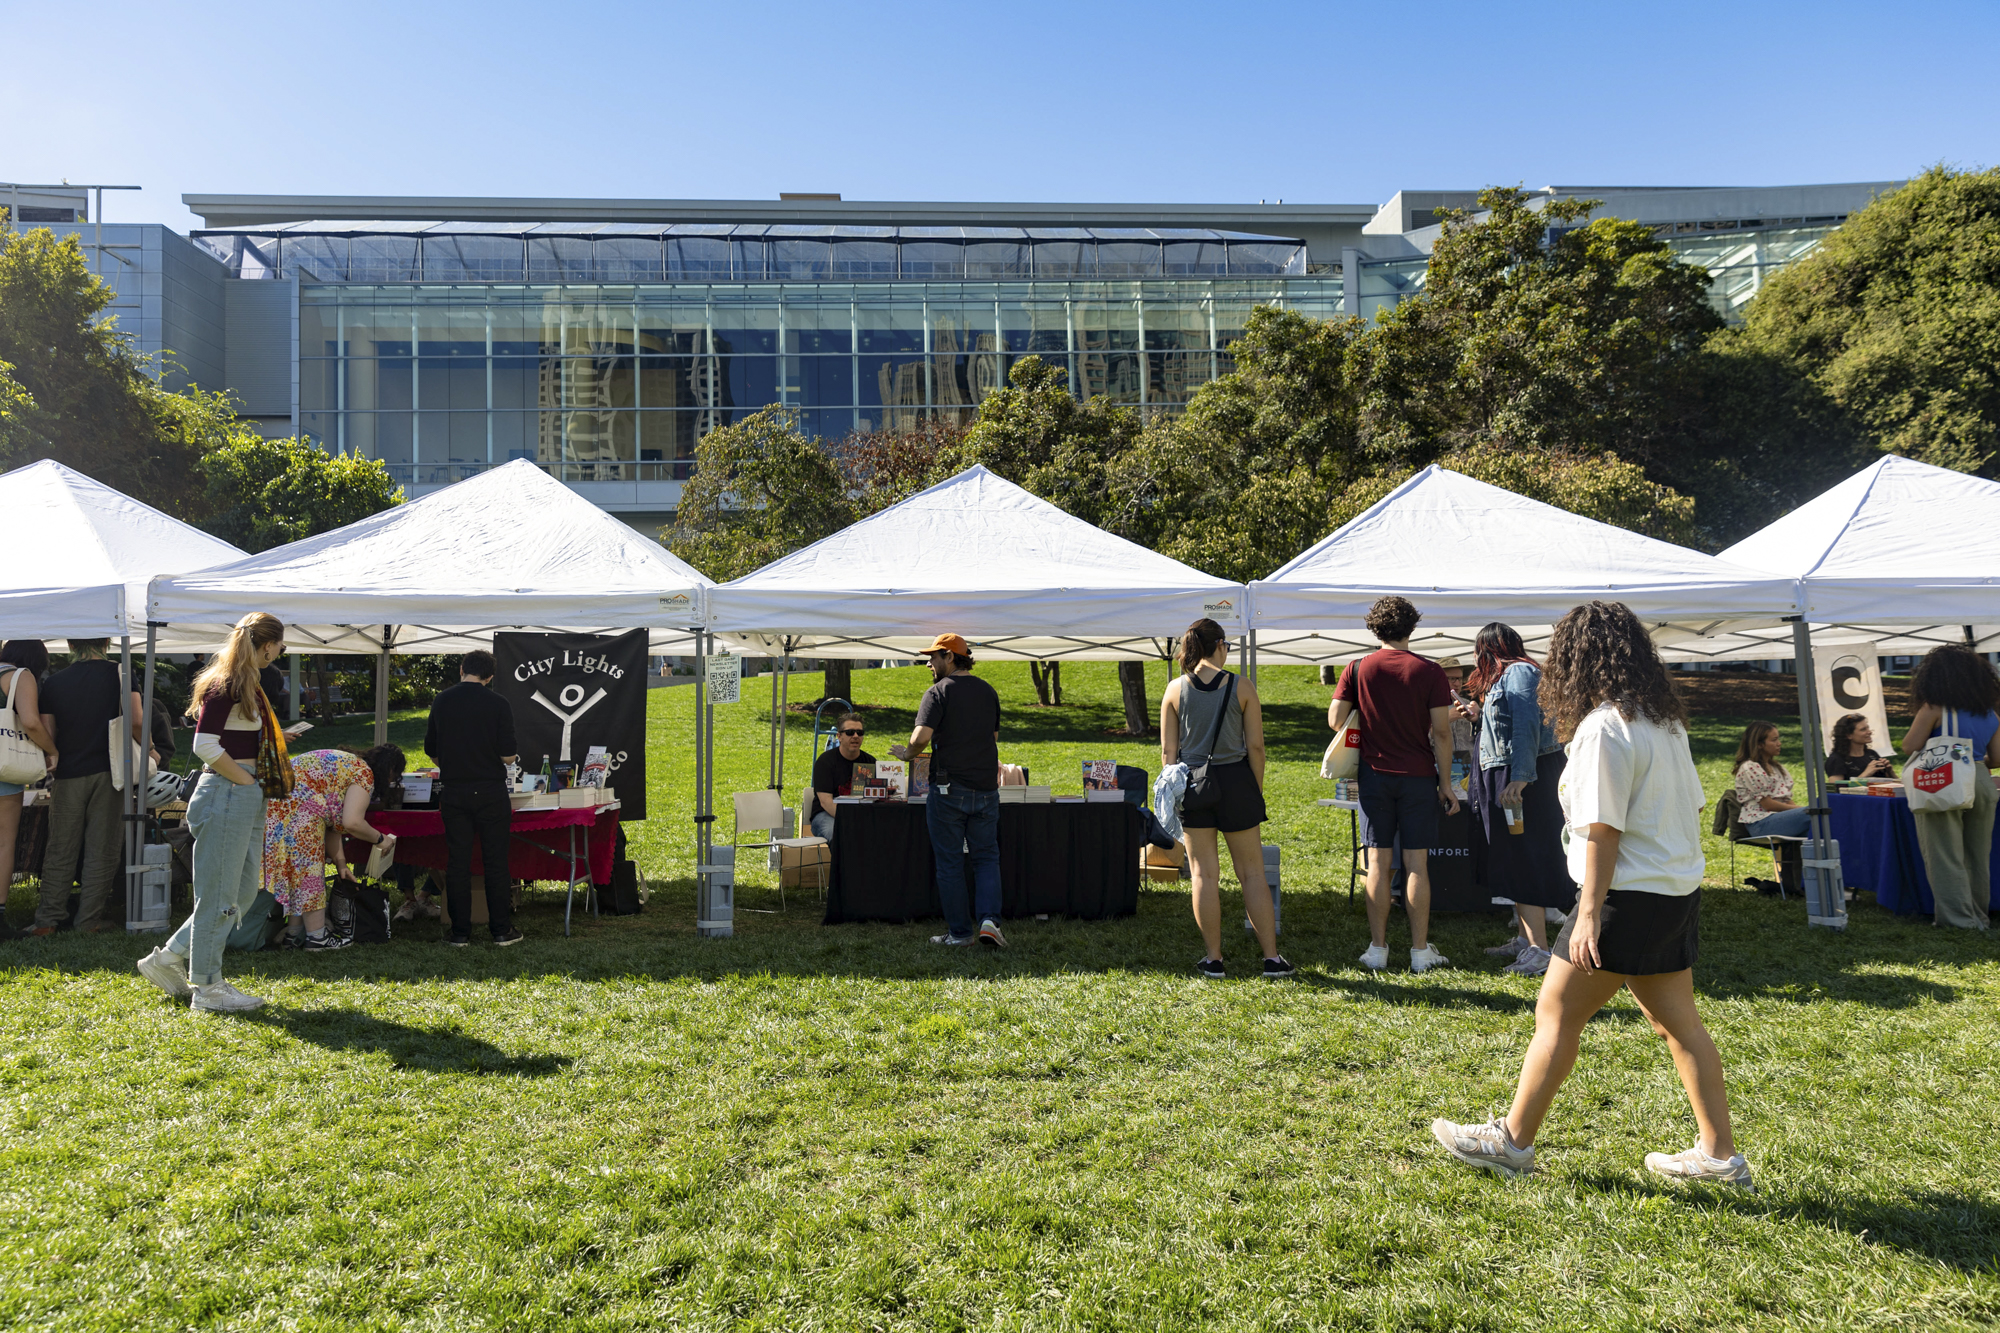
[(1242, 804), (1644, 934), (1399, 806)]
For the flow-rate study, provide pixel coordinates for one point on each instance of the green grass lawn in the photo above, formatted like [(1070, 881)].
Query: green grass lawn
[(808, 1127)]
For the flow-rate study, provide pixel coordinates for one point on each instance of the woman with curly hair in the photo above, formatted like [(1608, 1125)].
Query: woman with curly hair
[(1852, 754), (1632, 801), (1957, 694), (304, 831)]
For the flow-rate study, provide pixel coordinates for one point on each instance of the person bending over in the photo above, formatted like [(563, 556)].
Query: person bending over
[(302, 832), (1632, 801)]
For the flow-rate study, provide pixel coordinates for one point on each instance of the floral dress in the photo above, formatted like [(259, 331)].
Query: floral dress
[(295, 828)]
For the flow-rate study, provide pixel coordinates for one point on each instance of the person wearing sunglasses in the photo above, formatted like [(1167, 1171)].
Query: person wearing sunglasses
[(833, 772)]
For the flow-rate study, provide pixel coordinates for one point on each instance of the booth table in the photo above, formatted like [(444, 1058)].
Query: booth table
[(576, 845), (1069, 858), (1878, 851)]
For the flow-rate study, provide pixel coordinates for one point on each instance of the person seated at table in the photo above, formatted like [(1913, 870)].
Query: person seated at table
[(833, 772), (303, 831), (1957, 694), (1850, 756), (1764, 787)]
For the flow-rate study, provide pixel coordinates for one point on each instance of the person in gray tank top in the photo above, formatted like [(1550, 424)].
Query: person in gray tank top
[(1212, 721)]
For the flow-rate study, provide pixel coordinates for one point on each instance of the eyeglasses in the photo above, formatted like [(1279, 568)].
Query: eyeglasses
[(853, 733)]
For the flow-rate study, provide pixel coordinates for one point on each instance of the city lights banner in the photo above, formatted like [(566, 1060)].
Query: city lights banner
[(572, 691)]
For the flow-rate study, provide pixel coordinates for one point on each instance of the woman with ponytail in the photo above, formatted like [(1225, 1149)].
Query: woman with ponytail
[(238, 738), (1212, 722)]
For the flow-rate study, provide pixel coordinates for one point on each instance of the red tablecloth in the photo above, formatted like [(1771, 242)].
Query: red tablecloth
[(540, 844)]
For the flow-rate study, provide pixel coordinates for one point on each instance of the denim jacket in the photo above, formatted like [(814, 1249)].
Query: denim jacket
[(1512, 731)]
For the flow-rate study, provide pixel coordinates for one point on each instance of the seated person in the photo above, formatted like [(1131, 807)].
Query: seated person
[(1850, 756), (833, 772), (1764, 787)]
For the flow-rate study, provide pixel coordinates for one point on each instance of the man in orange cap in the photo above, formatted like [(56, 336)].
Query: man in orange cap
[(959, 720)]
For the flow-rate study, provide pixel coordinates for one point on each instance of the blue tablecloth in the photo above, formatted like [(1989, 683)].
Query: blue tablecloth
[(1878, 851)]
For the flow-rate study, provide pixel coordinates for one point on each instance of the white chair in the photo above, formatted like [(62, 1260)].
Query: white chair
[(764, 812)]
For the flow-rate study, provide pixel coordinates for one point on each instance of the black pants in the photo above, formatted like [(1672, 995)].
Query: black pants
[(477, 814)]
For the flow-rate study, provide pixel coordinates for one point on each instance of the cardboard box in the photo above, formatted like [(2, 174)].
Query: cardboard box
[(1162, 863), (801, 866)]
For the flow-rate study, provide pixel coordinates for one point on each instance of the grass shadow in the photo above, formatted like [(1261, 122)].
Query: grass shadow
[(433, 1050)]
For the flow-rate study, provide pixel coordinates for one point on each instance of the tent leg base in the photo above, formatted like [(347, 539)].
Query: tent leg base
[(715, 930), (1828, 922)]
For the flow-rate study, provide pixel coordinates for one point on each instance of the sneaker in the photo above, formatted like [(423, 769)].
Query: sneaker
[(324, 942), (990, 936), (1426, 958), (1511, 949), (458, 941), (949, 938), (168, 971), (1486, 1146), (432, 910), (408, 911), (1211, 969), (1694, 1164), (507, 937), (1277, 969), (1376, 957), (1555, 917), (1533, 962), (222, 998)]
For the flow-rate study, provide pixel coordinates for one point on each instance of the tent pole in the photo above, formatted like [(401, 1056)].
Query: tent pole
[(293, 659), (784, 705), (382, 686), (146, 730), (771, 777), (1250, 644), (1826, 888), (128, 805)]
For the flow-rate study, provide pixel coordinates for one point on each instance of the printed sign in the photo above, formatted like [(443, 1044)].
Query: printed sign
[(1850, 681), (725, 679), (573, 693), (1222, 610)]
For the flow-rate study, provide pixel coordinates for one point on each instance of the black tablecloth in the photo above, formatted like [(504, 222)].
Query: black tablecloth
[(1068, 858)]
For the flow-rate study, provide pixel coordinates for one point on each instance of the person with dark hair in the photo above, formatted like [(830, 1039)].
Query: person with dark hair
[(1514, 793), (1850, 755), (1764, 786), (959, 718), (471, 736), (833, 772), (1957, 693), (1404, 703), (1632, 801), (1209, 718), (86, 825), (303, 831), (22, 662)]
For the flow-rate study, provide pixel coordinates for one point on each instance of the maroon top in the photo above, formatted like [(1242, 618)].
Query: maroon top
[(1394, 691), (237, 742)]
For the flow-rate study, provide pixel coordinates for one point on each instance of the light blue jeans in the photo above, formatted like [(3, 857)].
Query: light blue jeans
[(228, 826)]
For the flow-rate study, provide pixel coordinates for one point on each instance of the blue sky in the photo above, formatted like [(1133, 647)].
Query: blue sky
[(1311, 103)]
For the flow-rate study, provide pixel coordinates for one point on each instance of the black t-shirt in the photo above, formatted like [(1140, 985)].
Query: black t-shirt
[(834, 775), (82, 698), (1845, 765), (963, 713), (470, 734)]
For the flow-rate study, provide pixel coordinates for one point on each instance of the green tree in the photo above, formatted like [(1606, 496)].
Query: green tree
[(259, 493), (762, 488), (1034, 432), (1890, 330)]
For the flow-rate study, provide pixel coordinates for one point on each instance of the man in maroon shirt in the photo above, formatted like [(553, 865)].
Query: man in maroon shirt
[(1405, 705)]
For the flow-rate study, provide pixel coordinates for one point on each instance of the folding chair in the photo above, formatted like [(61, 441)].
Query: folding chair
[(1729, 823), (764, 811)]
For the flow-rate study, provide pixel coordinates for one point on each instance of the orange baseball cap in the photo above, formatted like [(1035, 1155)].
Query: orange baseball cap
[(949, 643)]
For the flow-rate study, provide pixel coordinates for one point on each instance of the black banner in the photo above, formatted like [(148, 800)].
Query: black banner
[(572, 691)]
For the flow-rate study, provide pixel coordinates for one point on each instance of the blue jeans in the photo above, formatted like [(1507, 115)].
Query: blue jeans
[(228, 826), (963, 823), (1783, 823), (822, 825)]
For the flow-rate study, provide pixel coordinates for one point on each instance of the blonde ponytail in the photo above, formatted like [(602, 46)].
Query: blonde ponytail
[(234, 669)]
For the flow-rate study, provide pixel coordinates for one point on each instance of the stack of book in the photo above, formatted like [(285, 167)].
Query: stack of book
[(1098, 794), (1013, 795), (1036, 795)]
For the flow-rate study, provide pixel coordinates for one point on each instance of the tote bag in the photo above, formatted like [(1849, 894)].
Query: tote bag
[(21, 760), (119, 729), (1343, 753), (1939, 776)]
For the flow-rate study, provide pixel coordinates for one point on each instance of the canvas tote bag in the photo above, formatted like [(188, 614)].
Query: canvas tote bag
[(1939, 776), (21, 760), (1343, 753)]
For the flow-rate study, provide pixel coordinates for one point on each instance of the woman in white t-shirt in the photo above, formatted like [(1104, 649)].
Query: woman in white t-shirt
[(1632, 810)]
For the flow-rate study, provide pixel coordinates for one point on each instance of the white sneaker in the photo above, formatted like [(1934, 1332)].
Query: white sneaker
[(1376, 957), (1426, 958), (408, 911), (168, 971), (222, 998), (1533, 962), (1694, 1164), (1554, 917), (1511, 949), (1485, 1146)]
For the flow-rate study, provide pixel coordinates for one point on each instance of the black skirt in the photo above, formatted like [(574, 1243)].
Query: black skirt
[(1527, 867), (1644, 934)]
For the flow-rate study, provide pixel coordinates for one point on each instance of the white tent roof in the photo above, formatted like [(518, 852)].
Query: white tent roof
[(1467, 553), (508, 549), (79, 555), (974, 555)]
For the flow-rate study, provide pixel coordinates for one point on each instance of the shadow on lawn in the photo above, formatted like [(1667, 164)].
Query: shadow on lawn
[(435, 1050)]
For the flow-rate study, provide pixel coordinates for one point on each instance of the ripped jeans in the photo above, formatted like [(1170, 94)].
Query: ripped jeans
[(228, 826)]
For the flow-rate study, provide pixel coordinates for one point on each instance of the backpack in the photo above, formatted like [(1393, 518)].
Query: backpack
[(368, 909), (261, 922)]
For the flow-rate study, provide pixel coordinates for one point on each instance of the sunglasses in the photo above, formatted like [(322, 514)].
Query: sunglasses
[(852, 732)]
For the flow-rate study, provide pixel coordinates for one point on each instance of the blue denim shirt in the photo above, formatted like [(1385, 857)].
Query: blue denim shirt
[(1512, 731)]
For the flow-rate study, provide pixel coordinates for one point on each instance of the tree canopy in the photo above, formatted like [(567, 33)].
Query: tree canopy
[(261, 493)]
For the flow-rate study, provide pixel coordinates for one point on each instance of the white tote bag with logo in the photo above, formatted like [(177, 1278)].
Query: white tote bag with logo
[(21, 760), (1343, 753), (1939, 776)]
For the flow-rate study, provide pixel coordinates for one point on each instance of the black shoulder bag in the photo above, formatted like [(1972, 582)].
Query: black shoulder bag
[(1204, 787)]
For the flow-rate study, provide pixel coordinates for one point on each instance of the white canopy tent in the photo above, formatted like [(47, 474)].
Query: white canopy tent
[(1468, 553)]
